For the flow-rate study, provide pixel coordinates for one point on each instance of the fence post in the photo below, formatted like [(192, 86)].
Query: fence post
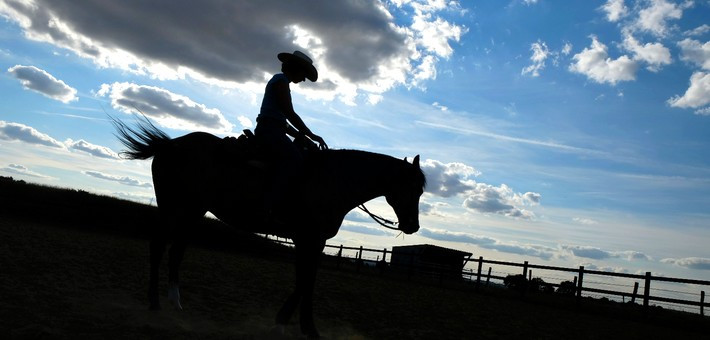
[(384, 255), (702, 303), (359, 259), (340, 254), (580, 282), (530, 275), (647, 290), (488, 278), (480, 266), (525, 275), (636, 290)]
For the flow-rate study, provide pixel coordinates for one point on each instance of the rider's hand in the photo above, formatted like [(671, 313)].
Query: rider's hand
[(320, 141)]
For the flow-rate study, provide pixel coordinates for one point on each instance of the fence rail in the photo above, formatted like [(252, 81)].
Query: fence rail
[(580, 272)]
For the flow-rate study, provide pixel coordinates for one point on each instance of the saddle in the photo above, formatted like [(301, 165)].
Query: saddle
[(246, 148)]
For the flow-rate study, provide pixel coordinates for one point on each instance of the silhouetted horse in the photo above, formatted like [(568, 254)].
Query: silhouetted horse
[(200, 172)]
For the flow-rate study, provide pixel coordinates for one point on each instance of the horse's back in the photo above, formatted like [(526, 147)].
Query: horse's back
[(185, 168)]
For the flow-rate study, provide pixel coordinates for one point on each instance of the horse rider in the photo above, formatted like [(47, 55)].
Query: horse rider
[(276, 120)]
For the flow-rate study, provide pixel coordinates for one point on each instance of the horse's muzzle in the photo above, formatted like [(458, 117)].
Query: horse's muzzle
[(408, 228)]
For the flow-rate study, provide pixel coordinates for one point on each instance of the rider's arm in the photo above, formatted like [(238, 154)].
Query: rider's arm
[(283, 98)]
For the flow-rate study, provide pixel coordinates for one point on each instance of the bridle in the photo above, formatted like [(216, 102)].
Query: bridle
[(379, 219)]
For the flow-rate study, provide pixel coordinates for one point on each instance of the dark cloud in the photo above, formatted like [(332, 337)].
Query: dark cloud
[(443, 235), (588, 252), (227, 40), (353, 42), (600, 254), (33, 78), (170, 109), (488, 199), (20, 132), (488, 243)]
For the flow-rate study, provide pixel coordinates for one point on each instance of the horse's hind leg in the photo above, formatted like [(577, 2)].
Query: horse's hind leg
[(180, 224), (175, 257), (157, 248)]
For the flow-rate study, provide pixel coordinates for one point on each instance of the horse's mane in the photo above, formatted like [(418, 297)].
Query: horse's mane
[(366, 157)]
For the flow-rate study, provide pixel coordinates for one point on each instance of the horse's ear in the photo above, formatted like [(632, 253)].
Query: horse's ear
[(405, 159), (416, 161)]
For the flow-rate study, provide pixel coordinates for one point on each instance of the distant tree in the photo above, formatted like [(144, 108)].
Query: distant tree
[(515, 282), (520, 283), (567, 288), (539, 285)]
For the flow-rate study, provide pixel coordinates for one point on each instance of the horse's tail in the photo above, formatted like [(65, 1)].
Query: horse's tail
[(143, 141)]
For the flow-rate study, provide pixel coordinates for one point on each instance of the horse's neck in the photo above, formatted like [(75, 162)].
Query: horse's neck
[(360, 176)]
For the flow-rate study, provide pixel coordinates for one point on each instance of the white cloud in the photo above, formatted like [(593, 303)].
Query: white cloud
[(434, 34), (120, 179), (539, 55), (20, 132), (361, 229), (502, 200), (92, 149), (615, 10), (595, 63), (567, 48), (654, 18), (697, 95), (654, 54), (586, 221), (448, 179), (38, 80), (356, 45), (17, 169), (700, 30), (439, 106), (530, 2), (424, 71), (167, 108), (245, 122), (694, 52), (452, 179), (690, 262)]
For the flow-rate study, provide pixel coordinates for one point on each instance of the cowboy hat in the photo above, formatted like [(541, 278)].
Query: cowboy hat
[(301, 59)]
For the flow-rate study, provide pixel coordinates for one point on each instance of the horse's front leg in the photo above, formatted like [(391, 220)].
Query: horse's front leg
[(307, 261), (307, 258)]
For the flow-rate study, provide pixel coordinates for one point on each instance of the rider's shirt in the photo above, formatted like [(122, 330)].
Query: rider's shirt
[(269, 107)]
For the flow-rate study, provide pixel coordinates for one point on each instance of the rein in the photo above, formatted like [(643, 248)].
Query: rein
[(379, 219)]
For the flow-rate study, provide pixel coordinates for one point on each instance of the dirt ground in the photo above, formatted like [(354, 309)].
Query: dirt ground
[(58, 282)]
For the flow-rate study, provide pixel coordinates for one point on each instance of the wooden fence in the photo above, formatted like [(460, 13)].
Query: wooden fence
[(579, 279)]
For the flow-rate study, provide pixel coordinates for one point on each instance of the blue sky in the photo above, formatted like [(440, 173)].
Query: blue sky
[(562, 132)]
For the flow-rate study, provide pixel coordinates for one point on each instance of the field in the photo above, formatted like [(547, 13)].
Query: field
[(74, 265)]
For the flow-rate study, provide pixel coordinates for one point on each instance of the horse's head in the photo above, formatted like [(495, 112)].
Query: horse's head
[(404, 196)]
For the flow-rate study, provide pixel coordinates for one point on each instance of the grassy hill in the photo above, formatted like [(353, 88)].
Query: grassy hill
[(74, 265)]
